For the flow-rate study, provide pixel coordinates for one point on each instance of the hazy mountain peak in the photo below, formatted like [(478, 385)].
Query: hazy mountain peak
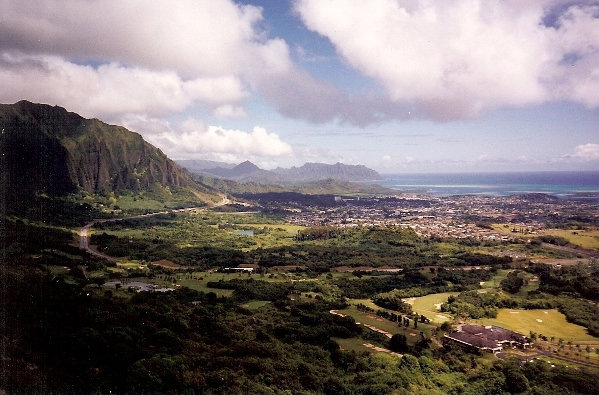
[(246, 167)]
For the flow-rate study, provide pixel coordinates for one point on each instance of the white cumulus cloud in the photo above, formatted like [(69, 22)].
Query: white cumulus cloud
[(458, 59), (586, 152), (152, 57), (110, 88), (192, 139)]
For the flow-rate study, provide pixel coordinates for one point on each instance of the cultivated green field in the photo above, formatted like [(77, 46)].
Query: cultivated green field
[(550, 323)]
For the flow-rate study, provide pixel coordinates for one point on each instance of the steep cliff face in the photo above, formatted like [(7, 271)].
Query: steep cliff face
[(50, 150)]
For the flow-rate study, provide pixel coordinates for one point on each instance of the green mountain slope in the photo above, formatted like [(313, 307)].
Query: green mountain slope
[(49, 151), (328, 186)]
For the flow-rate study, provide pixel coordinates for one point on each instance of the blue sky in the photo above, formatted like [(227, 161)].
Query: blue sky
[(397, 85)]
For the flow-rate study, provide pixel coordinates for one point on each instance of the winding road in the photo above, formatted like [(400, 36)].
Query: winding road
[(85, 234)]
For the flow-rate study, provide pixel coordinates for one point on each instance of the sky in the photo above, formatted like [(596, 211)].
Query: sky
[(401, 86)]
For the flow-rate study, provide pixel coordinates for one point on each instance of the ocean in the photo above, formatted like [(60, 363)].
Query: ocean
[(567, 184)]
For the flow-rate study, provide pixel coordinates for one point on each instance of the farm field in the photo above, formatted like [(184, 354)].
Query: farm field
[(550, 323)]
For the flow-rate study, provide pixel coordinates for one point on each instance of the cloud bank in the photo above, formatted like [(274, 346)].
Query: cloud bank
[(190, 138), (430, 60), (458, 59)]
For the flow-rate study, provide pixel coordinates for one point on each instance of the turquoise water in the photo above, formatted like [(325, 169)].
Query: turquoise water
[(567, 184)]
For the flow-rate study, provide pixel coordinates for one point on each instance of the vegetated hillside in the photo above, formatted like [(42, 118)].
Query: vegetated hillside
[(197, 165), (243, 171), (328, 186), (322, 171), (309, 172), (48, 150)]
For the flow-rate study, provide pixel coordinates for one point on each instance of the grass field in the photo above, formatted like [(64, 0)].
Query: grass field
[(429, 305), (372, 319), (290, 228), (199, 280), (584, 238), (495, 280), (550, 323), (256, 304), (530, 286), (207, 228), (357, 344)]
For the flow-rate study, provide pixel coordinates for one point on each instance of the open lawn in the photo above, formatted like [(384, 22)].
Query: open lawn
[(550, 323), (583, 238), (588, 239), (256, 304), (290, 228), (392, 328), (429, 305), (358, 344), (199, 280), (531, 285), (495, 280)]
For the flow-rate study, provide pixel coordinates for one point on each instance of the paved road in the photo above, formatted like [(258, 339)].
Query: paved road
[(84, 232)]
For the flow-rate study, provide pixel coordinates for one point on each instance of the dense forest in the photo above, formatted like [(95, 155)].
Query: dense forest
[(70, 334)]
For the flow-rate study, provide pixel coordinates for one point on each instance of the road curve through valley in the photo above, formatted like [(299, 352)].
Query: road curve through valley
[(85, 234)]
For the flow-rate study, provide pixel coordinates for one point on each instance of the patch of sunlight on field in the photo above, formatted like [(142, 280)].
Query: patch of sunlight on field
[(351, 344), (550, 323)]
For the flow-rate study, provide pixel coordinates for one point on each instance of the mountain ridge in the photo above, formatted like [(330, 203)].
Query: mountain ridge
[(309, 172), (49, 150)]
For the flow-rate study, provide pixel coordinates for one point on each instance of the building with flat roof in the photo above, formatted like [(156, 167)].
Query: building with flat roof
[(480, 338)]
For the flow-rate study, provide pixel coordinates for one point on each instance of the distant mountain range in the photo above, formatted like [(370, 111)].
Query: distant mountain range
[(309, 172)]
